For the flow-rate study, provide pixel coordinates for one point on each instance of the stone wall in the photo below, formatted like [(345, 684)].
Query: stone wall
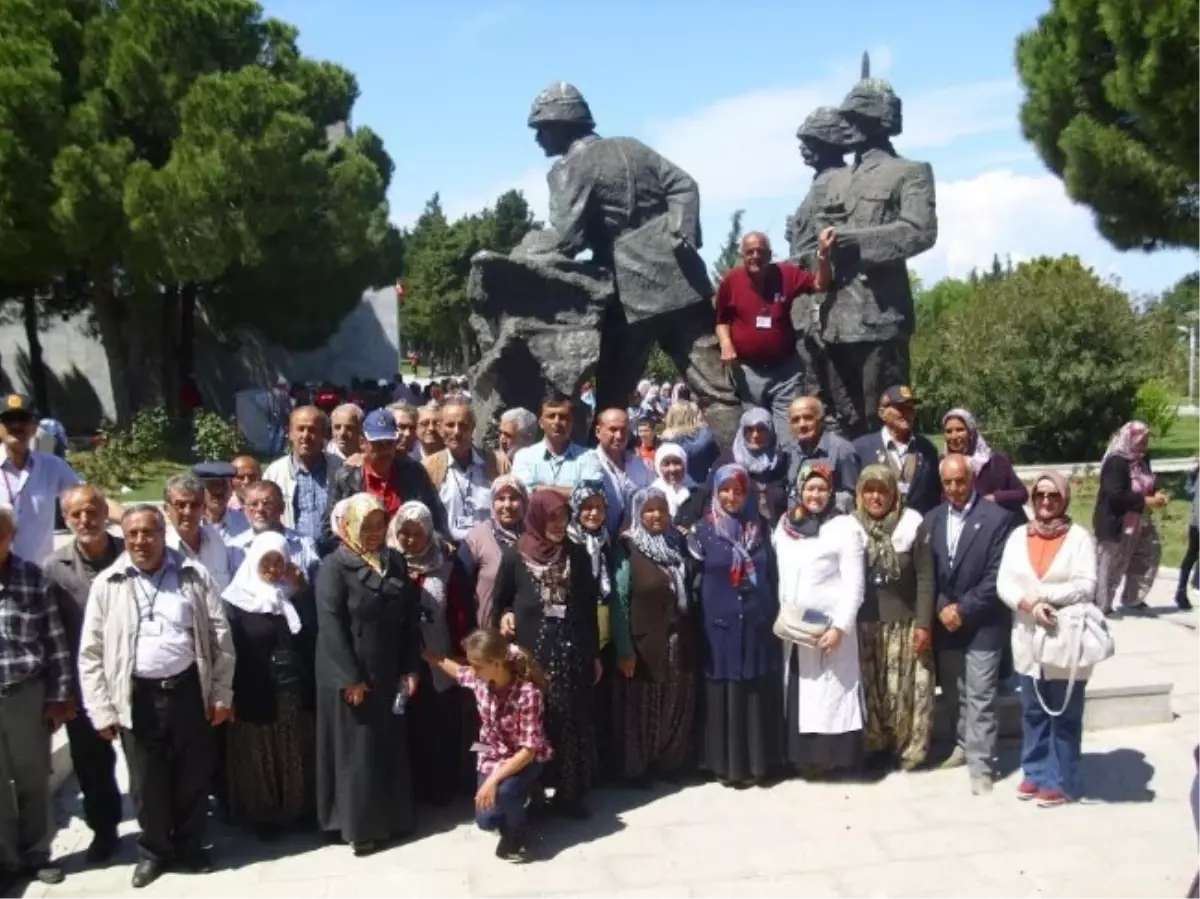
[(366, 345)]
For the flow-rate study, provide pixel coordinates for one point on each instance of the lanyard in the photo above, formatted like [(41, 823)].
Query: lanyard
[(151, 598), (14, 496)]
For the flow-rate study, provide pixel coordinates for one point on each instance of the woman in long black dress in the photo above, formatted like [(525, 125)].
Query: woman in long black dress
[(368, 657), (545, 598), (270, 744)]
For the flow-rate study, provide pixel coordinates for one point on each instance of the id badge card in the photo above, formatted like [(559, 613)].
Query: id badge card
[(558, 611), (477, 747), (762, 322), (150, 627)]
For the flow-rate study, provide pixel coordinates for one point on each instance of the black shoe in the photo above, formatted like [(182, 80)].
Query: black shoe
[(197, 862), (1181, 600), (504, 846), (103, 847), (45, 872), (363, 848), (511, 847), (145, 872)]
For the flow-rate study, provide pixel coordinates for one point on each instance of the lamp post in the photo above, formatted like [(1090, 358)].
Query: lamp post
[(1190, 331)]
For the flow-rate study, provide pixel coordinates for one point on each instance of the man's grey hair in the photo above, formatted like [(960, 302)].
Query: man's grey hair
[(160, 520), (266, 485), (956, 457), (821, 410), (403, 409), (355, 412), (457, 402), (8, 518), (91, 491), (182, 483), (525, 421)]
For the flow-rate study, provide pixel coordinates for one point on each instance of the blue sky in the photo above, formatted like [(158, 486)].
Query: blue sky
[(719, 90)]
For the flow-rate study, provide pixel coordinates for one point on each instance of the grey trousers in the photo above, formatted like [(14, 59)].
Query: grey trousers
[(970, 682), (1135, 557), (772, 389), (24, 777)]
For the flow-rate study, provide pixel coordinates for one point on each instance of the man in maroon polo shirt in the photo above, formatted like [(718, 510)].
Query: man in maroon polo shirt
[(754, 323)]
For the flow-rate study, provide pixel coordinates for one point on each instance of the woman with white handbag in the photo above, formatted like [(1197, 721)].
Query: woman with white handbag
[(1048, 577), (821, 581)]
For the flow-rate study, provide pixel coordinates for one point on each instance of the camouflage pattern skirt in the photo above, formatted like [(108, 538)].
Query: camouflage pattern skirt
[(898, 688)]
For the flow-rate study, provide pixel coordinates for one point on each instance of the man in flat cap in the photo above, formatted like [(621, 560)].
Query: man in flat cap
[(639, 214), (217, 479)]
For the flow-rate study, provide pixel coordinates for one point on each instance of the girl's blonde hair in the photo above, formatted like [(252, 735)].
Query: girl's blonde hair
[(489, 645), (684, 418)]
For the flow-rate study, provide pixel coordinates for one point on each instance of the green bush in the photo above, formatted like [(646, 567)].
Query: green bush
[(1042, 357), (1155, 405), (216, 438), (150, 434), (116, 462)]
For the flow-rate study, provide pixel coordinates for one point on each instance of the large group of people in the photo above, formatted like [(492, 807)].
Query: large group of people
[(291, 641)]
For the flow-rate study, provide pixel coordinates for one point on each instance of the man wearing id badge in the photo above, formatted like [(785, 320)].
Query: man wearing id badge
[(461, 473), (754, 323)]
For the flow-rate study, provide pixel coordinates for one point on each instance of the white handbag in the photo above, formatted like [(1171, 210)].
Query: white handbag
[(1080, 638), (800, 625)]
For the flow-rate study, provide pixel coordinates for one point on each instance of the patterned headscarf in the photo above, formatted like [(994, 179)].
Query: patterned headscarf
[(534, 545), (429, 559), (658, 548), (741, 531), (978, 452), (881, 551), (800, 521), (1058, 526), (506, 537), (358, 507), (756, 461), (1125, 444), (594, 541)]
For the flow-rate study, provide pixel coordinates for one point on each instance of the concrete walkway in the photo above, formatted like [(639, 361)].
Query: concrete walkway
[(920, 834)]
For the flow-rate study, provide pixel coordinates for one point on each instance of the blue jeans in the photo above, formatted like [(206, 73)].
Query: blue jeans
[(511, 798), (1050, 747)]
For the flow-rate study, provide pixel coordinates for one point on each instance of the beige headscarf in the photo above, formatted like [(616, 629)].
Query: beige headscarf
[(358, 507)]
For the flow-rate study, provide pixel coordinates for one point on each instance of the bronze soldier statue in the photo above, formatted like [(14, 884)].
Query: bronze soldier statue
[(890, 215)]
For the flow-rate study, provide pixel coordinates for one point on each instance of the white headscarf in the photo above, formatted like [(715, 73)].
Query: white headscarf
[(676, 494), (250, 593)]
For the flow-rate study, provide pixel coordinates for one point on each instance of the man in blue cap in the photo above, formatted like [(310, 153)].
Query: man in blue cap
[(217, 478), (391, 476)]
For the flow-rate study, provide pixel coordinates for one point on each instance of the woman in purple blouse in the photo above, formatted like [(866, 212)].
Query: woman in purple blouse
[(995, 479)]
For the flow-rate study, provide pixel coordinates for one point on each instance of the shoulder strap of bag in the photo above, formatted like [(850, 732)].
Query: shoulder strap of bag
[(1072, 673)]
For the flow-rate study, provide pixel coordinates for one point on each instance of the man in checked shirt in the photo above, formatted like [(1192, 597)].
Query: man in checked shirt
[(35, 700)]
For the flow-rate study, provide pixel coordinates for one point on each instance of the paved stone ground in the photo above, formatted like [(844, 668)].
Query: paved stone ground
[(919, 834)]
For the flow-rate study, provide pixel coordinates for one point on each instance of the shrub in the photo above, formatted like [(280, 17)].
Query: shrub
[(216, 437), (1042, 356), (150, 434), (1155, 405)]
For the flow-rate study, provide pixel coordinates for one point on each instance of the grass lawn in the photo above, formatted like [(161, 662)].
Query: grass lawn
[(150, 487), (1172, 522), (1182, 441)]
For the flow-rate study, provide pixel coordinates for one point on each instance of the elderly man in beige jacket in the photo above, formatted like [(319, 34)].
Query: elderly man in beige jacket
[(156, 665)]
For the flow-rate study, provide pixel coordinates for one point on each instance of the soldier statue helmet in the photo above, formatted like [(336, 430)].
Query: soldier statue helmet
[(824, 137), (872, 110), (560, 115)]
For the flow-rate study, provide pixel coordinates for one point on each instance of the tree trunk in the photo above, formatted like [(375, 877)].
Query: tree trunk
[(111, 314), (168, 340), (187, 333), (37, 368)]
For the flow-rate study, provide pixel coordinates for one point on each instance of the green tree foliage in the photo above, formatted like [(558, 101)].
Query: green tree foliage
[(182, 154), (1042, 356), (731, 249), (437, 263), (1112, 100), (1164, 348)]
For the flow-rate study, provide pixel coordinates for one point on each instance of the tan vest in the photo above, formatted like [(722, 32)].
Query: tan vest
[(494, 464)]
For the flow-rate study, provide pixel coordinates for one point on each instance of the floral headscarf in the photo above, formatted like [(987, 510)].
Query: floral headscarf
[(658, 548), (742, 531), (1058, 526), (881, 551), (799, 521), (595, 542), (978, 452), (358, 507), (756, 461), (506, 537), (1125, 444), (429, 559)]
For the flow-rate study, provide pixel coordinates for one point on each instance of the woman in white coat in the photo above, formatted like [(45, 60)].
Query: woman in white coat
[(1048, 565), (821, 570)]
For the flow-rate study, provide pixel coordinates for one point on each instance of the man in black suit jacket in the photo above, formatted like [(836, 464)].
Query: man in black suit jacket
[(967, 537), (911, 456)]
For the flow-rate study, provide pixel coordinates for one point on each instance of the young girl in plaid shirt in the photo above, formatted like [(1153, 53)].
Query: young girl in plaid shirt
[(512, 747)]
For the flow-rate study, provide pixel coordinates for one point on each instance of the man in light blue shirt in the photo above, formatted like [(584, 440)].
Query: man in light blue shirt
[(554, 462)]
